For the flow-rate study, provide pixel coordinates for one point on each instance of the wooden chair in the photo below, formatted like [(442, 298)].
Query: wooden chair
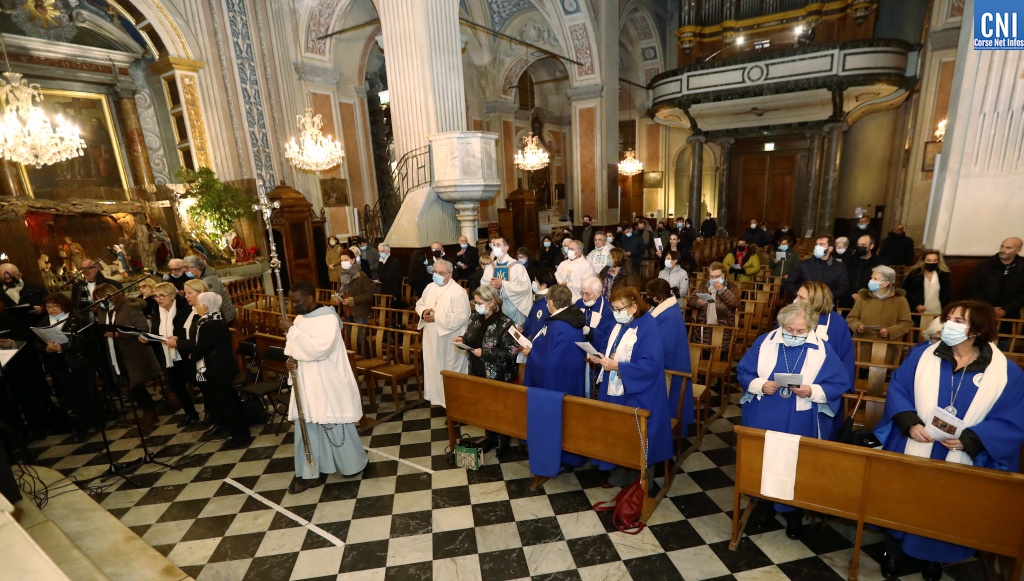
[(879, 359), (701, 367), (376, 356), (722, 339), (406, 363), (677, 425)]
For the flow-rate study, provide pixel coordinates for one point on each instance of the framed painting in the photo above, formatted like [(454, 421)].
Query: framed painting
[(931, 150), (335, 192), (99, 172), (653, 179)]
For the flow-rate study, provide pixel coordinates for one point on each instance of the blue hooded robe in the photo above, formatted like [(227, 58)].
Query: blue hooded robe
[(677, 356)]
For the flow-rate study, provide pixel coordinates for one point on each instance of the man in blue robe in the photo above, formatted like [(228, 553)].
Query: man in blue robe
[(539, 313), (633, 371), (676, 345), (806, 410), (599, 321), (967, 375)]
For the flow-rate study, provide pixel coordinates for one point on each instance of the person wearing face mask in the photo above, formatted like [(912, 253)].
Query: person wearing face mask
[(550, 254), (643, 230), (897, 249), (966, 376), (177, 275), (389, 273), (594, 306), (618, 273), (687, 236), (807, 410), (355, 292), (169, 321), (587, 234), (524, 257), (81, 293), (709, 227), (333, 258), (72, 367), (785, 265), (202, 271), (467, 259), (444, 312), (418, 276), (832, 328), (755, 235), (820, 267), (665, 233), (555, 362), (881, 312), (859, 268), (674, 274), (574, 269), (842, 253), (721, 310), (474, 279), (18, 292), (509, 278), (598, 257), (370, 259), (676, 346), (633, 374), (436, 253), (632, 245), (216, 366), (494, 350), (863, 226), (539, 312), (783, 231), (742, 263), (928, 287)]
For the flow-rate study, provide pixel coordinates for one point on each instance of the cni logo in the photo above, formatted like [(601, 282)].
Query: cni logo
[(996, 25)]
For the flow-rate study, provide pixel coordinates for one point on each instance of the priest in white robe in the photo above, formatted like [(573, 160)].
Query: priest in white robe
[(509, 277), (331, 402), (574, 269), (444, 313)]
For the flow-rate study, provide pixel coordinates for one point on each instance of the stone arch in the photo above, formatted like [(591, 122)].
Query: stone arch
[(165, 18), (638, 25)]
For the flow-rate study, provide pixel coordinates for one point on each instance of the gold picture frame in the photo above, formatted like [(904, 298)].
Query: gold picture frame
[(99, 168)]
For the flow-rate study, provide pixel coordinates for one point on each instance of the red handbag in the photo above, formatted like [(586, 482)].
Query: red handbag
[(629, 502)]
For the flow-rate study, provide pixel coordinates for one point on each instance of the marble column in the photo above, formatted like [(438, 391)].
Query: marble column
[(590, 177), (813, 182), (11, 179), (423, 46), (134, 139), (830, 177), (723, 186), (696, 176)]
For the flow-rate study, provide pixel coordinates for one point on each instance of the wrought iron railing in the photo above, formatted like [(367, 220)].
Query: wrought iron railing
[(411, 172)]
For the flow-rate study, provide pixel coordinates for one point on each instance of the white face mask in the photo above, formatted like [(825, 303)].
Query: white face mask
[(498, 252), (570, 254), (622, 317), (668, 264), (536, 289), (481, 309), (590, 303), (345, 265)]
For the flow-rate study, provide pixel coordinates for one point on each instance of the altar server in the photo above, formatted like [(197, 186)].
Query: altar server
[(633, 371), (966, 376), (444, 313), (675, 344), (555, 362), (508, 276), (331, 401), (574, 269), (806, 410)]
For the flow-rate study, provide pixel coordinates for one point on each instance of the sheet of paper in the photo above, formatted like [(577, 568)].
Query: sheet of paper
[(520, 338), (462, 346), (154, 337), (789, 380), (657, 245), (51, 334), (706, 297), (943, 425), (780, 255), (589, 348)]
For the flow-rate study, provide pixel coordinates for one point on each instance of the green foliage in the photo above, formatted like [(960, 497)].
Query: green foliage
[(217, 204)]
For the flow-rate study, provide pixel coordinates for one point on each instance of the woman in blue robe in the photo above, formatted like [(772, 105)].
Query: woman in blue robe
[(539, 313), (807, 410), (676, 346), (833, 330), (986, 393), (633, 371), (555, 362)]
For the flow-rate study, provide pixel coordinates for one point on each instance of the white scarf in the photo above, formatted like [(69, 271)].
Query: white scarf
[(821, 331), (166, 329), (664, 306), (926, 398), (768, 356), (14, 291), (624, 351)]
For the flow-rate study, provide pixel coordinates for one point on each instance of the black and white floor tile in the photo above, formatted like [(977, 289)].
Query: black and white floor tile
[(411, 515)]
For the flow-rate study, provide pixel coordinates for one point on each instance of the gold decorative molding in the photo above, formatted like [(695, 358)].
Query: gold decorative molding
[(174, 26), (194, 112), (688, 36), (168, 64)]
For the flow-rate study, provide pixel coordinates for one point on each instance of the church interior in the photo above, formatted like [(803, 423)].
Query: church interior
[(271, 143)]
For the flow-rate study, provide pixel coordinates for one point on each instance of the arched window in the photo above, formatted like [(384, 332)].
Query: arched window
[(524, 92)]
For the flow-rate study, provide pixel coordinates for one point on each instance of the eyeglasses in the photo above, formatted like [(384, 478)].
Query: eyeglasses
[(623, 309), (178, 269), (160, 296)]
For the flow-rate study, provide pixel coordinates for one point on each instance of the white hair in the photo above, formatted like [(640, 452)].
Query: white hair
[(593, 284), (386, 247), (441, 262), (212, 301), (194, 261), (887, 273), (794, 311)]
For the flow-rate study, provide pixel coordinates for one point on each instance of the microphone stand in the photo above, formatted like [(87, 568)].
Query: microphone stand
[(147, 456)]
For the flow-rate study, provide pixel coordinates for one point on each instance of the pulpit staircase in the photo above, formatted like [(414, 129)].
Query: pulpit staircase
[(411, 172)]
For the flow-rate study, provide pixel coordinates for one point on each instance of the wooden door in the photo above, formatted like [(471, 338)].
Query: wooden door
[(631, 199), (765, 187), (781, 185)]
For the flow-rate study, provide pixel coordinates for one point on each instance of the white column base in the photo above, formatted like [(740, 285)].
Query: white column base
[(468, 215)]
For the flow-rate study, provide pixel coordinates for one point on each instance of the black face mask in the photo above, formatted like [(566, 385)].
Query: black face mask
[(741, 249), (931, 267), (860, 251), (300, 309), (437, 253), (661, 228), (897, 234)]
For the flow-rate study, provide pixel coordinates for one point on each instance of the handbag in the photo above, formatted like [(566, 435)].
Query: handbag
[(468, 454), (629, 502), (863, 438)]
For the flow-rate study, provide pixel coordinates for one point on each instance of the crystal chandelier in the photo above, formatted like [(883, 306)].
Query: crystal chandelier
[(630, 166), (532, 157), (314, 151), (26, 134)]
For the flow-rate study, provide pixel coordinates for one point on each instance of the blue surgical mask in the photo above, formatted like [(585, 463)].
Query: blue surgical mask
[(819, 252), (363, 247), (464, 245), (425, 262), (783, 247), (622, 317), (629, 234), (536, 289), (189, 274), (874, 285), (438, 279), (793, 340), (862, 226), (383, 256), (954, 333), (523, 261), (480, 309), (61, 316), (547, 244)]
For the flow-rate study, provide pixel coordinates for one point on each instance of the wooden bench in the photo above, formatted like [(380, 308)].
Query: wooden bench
[(893, 491), (501, 407)]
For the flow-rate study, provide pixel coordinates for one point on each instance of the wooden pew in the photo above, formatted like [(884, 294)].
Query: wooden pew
[(893, 491), (501, 407)]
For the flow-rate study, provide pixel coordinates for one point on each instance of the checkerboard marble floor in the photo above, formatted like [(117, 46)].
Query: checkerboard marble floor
[(422, 518)]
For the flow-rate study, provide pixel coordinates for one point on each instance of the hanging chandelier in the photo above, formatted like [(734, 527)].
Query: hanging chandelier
[(531, 157), (940, 131), (630, 166), (314, 151), (26, 134)]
